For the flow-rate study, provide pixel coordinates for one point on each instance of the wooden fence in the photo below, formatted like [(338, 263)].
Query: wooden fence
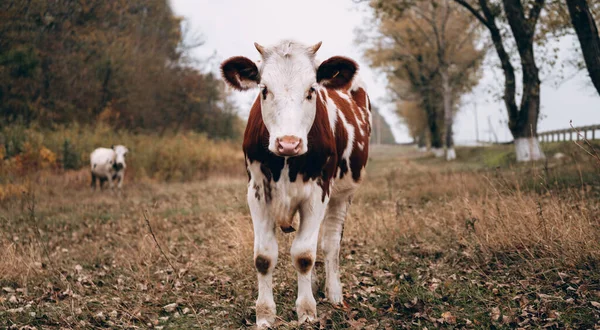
[(569, 134)]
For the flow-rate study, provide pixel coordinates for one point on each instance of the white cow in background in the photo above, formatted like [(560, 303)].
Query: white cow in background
[(108, 165)]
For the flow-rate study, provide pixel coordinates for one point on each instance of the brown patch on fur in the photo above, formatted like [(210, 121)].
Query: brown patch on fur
[(352, 111), (256, 191), (267, 190), (262, 264), (359, 96), (304, 262)]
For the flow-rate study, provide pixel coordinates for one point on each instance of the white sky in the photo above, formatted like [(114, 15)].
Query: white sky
[(230, 27)]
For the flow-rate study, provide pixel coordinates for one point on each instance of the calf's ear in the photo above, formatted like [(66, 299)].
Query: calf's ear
[(112, 147), (240, 73), (336, 72)]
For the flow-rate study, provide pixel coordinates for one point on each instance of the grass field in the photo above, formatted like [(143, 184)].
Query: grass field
[(479, 243)]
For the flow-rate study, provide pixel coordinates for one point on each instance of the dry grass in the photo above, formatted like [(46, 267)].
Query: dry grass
[(425, 244)]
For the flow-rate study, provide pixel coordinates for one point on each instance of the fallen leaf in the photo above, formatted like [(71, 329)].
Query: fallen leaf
[(170, 307), (495, 314), (449, 318)]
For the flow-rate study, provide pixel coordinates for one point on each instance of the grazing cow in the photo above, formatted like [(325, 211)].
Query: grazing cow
[(306, 146), (108, 165)]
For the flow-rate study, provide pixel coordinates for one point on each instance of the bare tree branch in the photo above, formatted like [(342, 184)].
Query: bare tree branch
[(474, 11), (534, 13)]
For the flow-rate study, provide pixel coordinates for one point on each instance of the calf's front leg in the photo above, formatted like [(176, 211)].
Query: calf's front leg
[(120, 177), (265, 257), (304, 254)]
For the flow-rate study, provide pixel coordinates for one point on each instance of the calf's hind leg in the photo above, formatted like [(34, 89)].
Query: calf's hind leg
[(93, 184), (332, 227)]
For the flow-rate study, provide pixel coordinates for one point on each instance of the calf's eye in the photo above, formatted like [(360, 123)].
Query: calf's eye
[(264, 92), (310, 93)]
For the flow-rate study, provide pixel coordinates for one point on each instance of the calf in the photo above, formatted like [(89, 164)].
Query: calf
[(108, 165), (306, 146)]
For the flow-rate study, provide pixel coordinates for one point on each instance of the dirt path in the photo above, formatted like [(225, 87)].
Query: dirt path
[(422, 247)]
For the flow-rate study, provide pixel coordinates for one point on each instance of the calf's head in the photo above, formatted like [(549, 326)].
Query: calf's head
[(289, 79), (120, 154)]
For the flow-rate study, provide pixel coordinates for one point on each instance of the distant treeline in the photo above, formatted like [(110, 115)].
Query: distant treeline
[(120, 62), (381, 132)]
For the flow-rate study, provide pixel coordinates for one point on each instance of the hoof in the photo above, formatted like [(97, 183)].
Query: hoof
[(265, 315), (334, 293), (307, 310)]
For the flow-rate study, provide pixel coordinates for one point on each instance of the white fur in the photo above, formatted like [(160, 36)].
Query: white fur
[(102, 161), (288, 72), (331, 109)]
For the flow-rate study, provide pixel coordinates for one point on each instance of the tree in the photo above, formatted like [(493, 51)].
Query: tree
[(122, 62), (522, 118), (415, 119), (587, 33), (428, 50), (382, 132)]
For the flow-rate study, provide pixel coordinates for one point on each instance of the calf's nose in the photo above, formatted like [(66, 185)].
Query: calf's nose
[(288, 145), (119, 166)]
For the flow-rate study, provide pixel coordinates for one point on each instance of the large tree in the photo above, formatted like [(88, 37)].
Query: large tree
[(427, 49), (587, 33), (522, 19)]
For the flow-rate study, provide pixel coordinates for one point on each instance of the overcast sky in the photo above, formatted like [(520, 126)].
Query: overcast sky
[(230, 27)]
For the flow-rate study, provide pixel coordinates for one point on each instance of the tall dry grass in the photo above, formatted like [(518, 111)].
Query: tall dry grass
[(534, 213)]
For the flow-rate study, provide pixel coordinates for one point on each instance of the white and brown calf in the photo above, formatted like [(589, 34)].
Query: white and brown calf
[(108, 165), (306, 145)]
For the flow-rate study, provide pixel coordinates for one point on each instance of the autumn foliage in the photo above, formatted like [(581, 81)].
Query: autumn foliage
[(119, 62)]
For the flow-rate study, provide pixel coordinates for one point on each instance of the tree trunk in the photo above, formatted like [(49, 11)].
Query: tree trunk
[(435, 133), (105, 98), (522, 120), (422, 141), (587, 32), (523, 124), (448, 116)]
